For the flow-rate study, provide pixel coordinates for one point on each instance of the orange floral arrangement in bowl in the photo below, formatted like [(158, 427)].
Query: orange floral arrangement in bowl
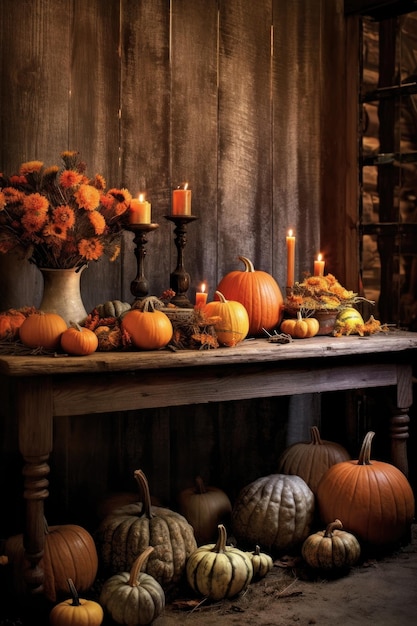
[(321, 293), (60, 218)]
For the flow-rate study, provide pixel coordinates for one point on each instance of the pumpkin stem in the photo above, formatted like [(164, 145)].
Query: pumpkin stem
[(257, 550), (146, 496), (74, 593), (365, 453), (137, 565), (150, 304), (221, 297), (336, 525), (199, 485), (248, 264), (315, 436), (221, 540)]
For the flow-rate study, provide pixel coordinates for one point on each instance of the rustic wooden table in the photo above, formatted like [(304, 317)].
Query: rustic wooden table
[(45, 388)]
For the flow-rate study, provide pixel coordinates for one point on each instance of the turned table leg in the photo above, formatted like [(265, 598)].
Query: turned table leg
[(35, 415), (400, 418)]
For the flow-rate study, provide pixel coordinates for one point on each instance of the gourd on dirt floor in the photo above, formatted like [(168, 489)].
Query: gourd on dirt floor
[(128, 531), (133, 598), (217, 571), (332, 548), (205, 507), (70, 552), (274, 512), (373, 499), (310, 459), (262, 563), (76, 611)]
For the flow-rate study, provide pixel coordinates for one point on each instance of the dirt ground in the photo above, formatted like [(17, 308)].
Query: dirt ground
[(381, 591)]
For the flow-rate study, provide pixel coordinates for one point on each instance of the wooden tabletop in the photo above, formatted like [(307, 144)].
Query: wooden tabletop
[(248, 351)]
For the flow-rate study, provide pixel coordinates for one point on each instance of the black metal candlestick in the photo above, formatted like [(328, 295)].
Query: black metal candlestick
[(179, 278), (139, 286)]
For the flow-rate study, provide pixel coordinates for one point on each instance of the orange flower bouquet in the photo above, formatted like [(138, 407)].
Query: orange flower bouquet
[(321, 293), (60, 218)]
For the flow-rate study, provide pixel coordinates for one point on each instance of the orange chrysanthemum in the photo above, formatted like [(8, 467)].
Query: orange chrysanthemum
[(13, 196), (30, 167), (90, 249), (87, 197), (35, 203), (33, 221), (97, 221), (99, 182), (64, 216), (55, 230), (122, 198), (69, 179), (2, 200)]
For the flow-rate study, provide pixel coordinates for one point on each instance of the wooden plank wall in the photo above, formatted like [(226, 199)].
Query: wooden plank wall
[(246, 101)]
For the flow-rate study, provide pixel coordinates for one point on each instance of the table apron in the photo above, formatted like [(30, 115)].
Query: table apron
[(103, 393)]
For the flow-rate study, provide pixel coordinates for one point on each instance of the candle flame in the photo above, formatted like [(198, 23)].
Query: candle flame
[(141, 197), (185, 186), (203, 288), (319, 257), (290, 233)]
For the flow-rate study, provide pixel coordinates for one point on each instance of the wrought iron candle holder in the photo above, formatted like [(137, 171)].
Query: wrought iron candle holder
[(139, 287), (180, 278)]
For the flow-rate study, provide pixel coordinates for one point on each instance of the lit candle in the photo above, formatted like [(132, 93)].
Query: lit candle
[(181, 200), (201, 297), (319, 266), (290, 259), (140, 211)]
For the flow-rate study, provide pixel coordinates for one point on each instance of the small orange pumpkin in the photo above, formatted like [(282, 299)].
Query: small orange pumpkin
[(259, 293), (78, 340), (148, 328), (300, 327), (42, 330), (76, 611), (233, 325)]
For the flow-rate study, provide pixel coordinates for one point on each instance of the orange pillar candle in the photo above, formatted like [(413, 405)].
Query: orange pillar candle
[(319, 266), (201, 297), (181, 201), (140, 211), (290, 259)]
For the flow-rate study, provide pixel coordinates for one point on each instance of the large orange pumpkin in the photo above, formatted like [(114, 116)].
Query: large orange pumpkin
[(259, 293), (42, 330), (374, 499), (70, 552)]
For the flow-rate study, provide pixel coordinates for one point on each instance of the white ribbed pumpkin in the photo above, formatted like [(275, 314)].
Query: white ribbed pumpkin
[(274, 512)]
